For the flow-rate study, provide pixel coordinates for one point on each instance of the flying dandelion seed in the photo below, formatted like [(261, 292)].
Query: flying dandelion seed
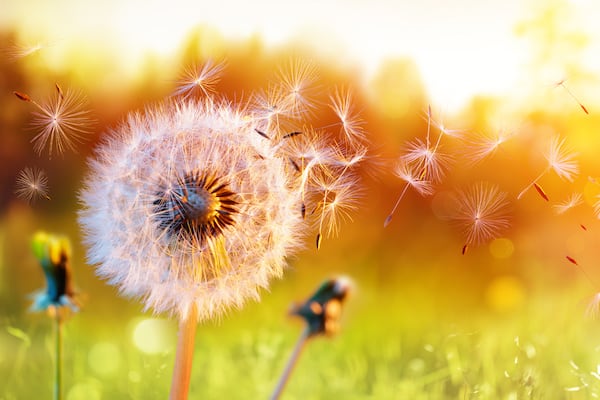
[(199, 78), (482, 213), (593, 307), (572, 201), (352, 124), (485, 145), (561, 160), (411, 174), (32, 183), (443, 129), (562, 83), (297, 83), (18, 51), (62, 121)]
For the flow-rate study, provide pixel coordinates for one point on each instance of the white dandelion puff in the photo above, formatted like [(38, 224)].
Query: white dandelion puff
[(32, 183)]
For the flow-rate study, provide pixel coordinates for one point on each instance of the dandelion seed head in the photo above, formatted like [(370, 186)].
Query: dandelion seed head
[(187, 207), (32, 183)]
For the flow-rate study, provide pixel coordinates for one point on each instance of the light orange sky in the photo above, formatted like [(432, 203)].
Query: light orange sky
[(461, 48)]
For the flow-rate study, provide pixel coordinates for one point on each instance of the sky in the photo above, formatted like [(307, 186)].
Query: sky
[(461, 48)]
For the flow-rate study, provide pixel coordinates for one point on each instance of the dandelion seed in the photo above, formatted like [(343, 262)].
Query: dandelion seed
[(572, 260), (32, 183), (482, 213), (18, 51), (572, 201), (200, 78), (62, 121), (541, 192), (562, 83), (486, 144), (583, 227), (352, 124), (593, 307), (410, 174), (560, 159), (297, 81), (430, 160), (443, 129)]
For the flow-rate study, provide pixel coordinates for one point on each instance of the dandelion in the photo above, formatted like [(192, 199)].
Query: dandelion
[(54, 254), (572, 201), (193, 207), (63, 121), (562, 83), (321, 312), (561, 160), (32, 183), (481, 212), (201, 78)]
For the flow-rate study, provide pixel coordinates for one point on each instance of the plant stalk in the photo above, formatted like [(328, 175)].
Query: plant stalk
[(184, 356), (58, 355), (291, 364)]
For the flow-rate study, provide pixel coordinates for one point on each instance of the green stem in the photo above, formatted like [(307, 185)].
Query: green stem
[(58, 355), (291, 364)]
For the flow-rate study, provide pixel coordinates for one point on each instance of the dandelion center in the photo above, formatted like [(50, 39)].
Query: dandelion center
[(196, 208)]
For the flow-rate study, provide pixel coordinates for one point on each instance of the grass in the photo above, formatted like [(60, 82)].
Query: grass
[(545, 350)]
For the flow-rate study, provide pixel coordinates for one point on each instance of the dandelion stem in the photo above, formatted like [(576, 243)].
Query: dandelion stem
[(184, 356), (291, 364), (389, 217), (58, 355), (533, 182)]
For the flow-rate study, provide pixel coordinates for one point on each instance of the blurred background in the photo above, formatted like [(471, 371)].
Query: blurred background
[(505, 320)]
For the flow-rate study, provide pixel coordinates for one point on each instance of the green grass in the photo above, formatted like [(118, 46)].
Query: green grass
[(388, 349)]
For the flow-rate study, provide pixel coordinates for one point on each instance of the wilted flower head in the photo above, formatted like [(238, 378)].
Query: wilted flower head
[(190, 206), (54, 254), (322, 311)]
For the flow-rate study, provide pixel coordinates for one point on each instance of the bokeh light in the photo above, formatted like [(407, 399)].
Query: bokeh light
[(104, 358), (153, 335)]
